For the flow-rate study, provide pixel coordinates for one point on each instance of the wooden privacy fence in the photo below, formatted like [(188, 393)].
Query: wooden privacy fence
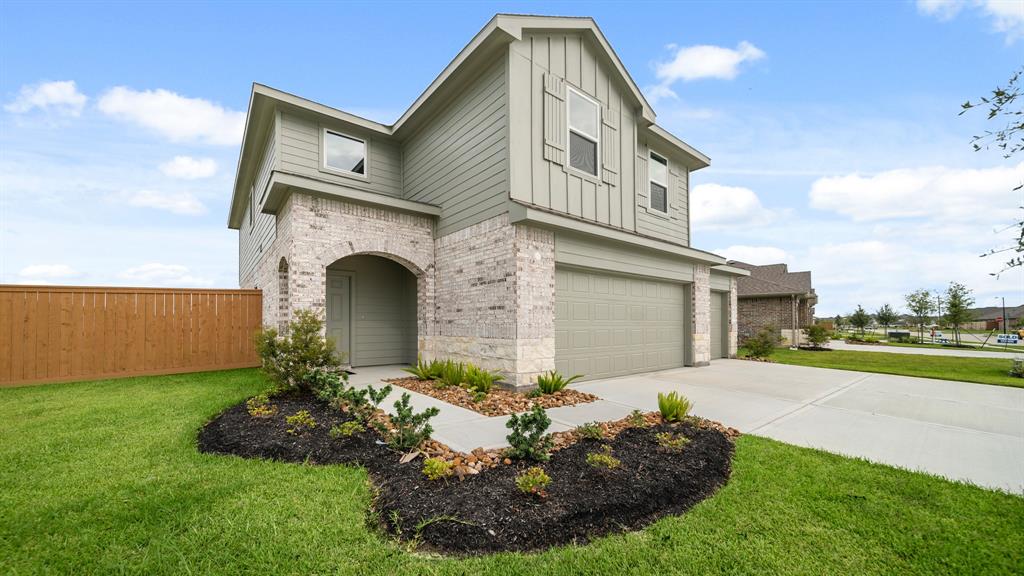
[(61, 333)]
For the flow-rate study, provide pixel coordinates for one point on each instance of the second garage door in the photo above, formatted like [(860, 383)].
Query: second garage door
[(610, 325), (717, 325)]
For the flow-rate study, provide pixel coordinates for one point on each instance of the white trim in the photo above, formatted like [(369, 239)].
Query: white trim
[(323, 154), (569, 129), (651, 155)]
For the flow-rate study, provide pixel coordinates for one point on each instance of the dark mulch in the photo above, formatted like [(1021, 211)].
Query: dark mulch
[(815, 348), (486, 512)]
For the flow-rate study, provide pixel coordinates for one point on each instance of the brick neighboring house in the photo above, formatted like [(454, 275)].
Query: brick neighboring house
[(774, 296)]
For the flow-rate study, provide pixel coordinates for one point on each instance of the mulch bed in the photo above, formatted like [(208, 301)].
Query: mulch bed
[(485, 512), (498, 402), (815, 348)]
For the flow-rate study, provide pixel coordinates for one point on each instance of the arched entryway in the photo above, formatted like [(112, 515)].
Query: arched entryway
[(371, 310)]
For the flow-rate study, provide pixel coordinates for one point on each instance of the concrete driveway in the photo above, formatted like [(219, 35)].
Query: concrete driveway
[(962, 431)]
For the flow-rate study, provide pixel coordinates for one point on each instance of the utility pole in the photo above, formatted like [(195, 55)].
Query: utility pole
[(1004, 314)]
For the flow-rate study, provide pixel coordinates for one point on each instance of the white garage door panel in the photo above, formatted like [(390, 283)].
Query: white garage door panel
[(610, 325)]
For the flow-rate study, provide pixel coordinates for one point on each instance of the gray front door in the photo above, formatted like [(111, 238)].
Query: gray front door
[(339, 313), (717, 325), (613, 324)]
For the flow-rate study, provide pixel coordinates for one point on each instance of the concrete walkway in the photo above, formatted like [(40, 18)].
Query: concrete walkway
[(958, 430), (840, 345)]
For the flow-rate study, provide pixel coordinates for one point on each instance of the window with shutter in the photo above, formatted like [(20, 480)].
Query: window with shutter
[(657, 173), (554, 119), (584, 132)]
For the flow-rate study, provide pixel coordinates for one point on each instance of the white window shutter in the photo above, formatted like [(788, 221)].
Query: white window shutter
[(610, 146), (554, 119)]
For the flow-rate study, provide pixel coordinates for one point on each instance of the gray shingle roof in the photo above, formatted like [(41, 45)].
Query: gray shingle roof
[(771, 280)]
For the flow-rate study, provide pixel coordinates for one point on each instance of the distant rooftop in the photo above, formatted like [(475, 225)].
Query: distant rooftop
[(772, 280)]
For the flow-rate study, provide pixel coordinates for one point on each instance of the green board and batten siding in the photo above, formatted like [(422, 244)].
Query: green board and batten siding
[(619, 201), (258, 230), (458, 160)]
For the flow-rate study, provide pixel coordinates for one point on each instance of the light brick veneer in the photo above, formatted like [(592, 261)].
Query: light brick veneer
[(733, 318), (701, 307)]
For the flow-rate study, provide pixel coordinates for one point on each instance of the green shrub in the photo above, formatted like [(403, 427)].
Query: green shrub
[(535, 393), (763, 344), (300, 422), (288, 359), (817, 335), (329, 385), (671, 441), (409, 428), (347, 429), (533, 481), (1017, 369), (590, 431), (603, 459), (452, 374), (673, 406), (480, 380), (436, 468), (260, 407), (425, 370), (551, 382), (637, 419), (363, 402), (528, 440)]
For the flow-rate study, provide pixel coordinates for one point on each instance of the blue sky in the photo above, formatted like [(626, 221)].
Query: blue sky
[(832, 127)]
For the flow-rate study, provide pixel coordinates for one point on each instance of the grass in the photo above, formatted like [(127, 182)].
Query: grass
[(981, 370), (104, 477)]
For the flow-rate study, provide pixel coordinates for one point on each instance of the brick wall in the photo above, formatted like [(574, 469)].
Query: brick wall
[(757, 313)]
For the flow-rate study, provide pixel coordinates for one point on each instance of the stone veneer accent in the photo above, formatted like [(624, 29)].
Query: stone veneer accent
[(701, 307), (733, 318)]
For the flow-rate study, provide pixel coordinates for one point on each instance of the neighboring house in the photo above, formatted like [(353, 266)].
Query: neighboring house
[(988, 318), (526, 213), (773, 296)]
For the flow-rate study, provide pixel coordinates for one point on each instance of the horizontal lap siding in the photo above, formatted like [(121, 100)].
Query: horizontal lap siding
[(673, 227), (51, 334), (300, 154), (257, 235), (459, 159)]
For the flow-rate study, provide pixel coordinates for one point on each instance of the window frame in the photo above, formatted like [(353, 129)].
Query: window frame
[(651, 155), (569, 130), (341, 171)]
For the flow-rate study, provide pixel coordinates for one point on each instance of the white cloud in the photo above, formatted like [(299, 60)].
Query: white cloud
[(758, 255), (704, 61), (174, 202), (46, 273), (946, 194), (716, 207), (62, 97), (189, 168), (156, 274), (1007, 16), (179, 118)]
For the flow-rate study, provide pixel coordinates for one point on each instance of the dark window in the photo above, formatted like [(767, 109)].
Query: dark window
[(658, 173), (584, 123), (582, 153), (658, 197)]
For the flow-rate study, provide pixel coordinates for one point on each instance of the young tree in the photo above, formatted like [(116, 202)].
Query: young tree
[(886, 316), (838, 323), (958, 304), (919, 302), (1006, 104), (860, 319)]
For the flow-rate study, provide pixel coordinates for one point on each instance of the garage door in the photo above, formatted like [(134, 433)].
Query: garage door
[(717, 323), (610, 325)]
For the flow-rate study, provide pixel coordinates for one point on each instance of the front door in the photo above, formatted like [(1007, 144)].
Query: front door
[(339, 314)]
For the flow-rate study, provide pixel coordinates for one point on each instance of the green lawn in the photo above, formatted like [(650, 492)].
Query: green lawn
[(103, 477), (981, 370)]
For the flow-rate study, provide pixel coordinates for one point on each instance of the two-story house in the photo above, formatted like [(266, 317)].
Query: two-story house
[(526, 213)]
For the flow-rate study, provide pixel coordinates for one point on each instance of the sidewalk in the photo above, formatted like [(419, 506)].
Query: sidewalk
[(963, 353)]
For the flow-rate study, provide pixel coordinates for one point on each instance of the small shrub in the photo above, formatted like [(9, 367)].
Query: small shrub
[(410, 428), (637, 419), (378, 396), (551, 382), (533, 481), (363, 402), (347, 429), (423, 370), (603, 459), (1017, 369), (817, 335), (673, 406), (590, 431), (328, 385), (288, 359), (535, 393), (528, 440), (763, 344), (436, 468), (479, 396), (671, 441), (480, 380), (452, 374), (300, 422), (260, 407)]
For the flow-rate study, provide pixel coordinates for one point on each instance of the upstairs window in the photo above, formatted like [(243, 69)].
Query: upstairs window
[(344, 153), (584, 127), (658, 172)]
